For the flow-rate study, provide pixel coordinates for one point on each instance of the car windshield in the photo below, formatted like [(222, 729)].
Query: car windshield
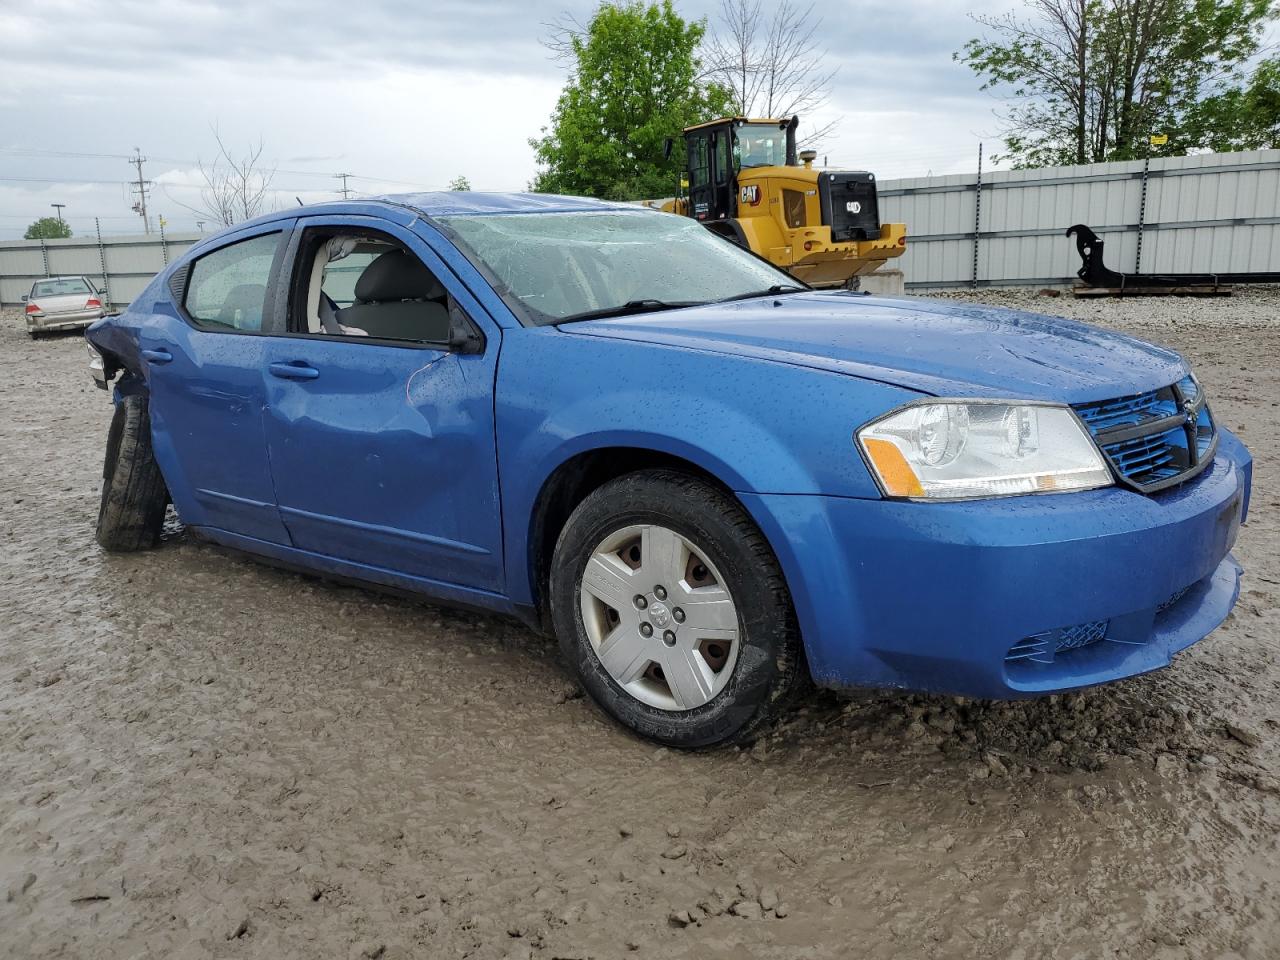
[(554, 267), (759, 145), (60, 288)]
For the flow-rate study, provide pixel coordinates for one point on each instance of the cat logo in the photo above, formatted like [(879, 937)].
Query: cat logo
[(751, 194), (853, 206)]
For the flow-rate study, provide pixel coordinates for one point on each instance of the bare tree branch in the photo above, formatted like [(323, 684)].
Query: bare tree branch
[(771, 66), (235, 189)]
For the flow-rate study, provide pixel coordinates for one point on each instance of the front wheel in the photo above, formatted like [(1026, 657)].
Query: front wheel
[(670, 606)]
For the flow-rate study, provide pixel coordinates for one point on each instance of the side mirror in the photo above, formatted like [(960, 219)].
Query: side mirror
[(668, 147), (25, 298)]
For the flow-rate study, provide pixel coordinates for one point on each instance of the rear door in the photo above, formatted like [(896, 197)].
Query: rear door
[(204, 351), (382, 450)]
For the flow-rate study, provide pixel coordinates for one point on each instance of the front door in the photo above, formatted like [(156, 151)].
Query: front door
[(701, 189), (204, 351), (711, 175), (381, 438)]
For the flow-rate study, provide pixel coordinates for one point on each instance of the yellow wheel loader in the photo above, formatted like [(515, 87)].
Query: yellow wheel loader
[(745, 182)]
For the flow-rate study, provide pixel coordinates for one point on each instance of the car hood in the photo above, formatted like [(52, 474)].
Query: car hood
[(933, 346)]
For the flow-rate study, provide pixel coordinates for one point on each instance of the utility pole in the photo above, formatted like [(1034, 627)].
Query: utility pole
[(59, 207), (140, 205), (346, 193)]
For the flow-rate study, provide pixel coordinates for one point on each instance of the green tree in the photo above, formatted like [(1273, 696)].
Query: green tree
[(634, 81), (460, 183), (48, 228), (1244, 118), (1091, 80)]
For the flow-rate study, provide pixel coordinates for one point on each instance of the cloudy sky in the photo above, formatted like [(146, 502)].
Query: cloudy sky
[(404, 94)]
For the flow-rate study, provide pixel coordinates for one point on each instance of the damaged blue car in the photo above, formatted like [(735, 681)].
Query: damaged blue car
[(710, 482)]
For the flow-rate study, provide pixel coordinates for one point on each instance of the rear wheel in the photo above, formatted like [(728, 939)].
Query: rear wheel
[(671, 608), (134, 497)]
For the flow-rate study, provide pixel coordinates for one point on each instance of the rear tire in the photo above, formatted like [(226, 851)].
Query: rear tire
[(765, 663), (134, 497)]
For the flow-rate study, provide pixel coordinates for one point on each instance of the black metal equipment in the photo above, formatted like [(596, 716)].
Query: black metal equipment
[(849, 204), (1095, 273)]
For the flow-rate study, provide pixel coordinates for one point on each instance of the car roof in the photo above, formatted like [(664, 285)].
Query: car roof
[(446, 203), (64, 276), (454, 203), (441, 203)]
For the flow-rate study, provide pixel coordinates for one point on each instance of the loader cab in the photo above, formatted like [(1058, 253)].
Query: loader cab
[(719, 150)]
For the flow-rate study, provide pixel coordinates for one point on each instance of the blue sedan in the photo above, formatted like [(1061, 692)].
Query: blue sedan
[(710, 482)]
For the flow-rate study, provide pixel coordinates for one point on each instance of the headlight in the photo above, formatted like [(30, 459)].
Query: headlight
[(97, 365), (956, 449)]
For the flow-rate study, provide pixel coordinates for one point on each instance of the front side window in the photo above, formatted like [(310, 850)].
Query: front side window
[(340, 276), (227, 289), (552, 267), (366, 284)]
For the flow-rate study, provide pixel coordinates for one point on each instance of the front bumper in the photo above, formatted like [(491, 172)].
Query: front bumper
[(937, 596), (63, 321)]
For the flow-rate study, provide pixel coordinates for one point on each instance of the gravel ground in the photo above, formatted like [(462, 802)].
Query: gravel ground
[(204, 757)]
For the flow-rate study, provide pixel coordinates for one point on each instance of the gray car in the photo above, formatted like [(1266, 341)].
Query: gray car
[(62, 303)]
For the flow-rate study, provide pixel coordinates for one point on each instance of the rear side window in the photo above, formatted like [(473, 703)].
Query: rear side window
[(227, 289)]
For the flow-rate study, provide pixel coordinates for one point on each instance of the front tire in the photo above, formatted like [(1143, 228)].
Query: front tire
[(671, 608), (134, 497)]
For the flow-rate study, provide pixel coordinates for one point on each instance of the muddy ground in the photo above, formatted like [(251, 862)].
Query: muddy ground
[(204, 757)]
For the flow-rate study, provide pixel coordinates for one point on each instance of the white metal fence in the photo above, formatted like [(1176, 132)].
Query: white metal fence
[(1215, 213), (121, 265)]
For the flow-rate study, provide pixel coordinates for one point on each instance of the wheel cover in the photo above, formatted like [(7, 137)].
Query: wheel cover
[(659, 617)]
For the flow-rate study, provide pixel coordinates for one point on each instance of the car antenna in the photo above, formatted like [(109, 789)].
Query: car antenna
[(299, 199)]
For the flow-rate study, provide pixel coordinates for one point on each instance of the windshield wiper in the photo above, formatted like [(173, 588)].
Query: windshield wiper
[(647, 305), (775, 289)]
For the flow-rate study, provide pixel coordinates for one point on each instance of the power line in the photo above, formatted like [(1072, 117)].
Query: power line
[(73, 155), (63, 154), (67, 180)]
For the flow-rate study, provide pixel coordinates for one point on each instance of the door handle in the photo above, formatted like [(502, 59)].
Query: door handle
[(157, 356), (297, 370)]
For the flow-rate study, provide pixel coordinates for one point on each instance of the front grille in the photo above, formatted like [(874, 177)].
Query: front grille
[(1045, 647), (1156, 439), (1174, 598)]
